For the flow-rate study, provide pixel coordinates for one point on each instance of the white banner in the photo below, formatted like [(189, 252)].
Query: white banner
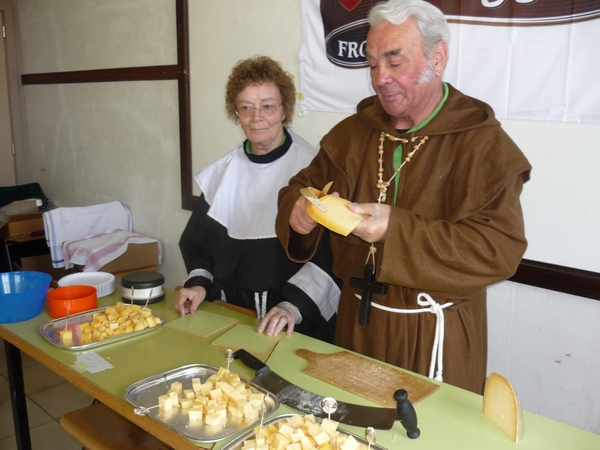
[(533, 60)]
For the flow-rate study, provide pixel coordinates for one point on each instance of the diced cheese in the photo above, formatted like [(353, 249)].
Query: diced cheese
[(213, 419), (296, 421), (329, 426), (66, 336), (349, 444), (195, 414), (164, 401), (186, 402), (321, 438), (501, 404), (235, 412), (280, 442)]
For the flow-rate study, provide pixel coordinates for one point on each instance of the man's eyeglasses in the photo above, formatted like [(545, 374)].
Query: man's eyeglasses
[(266, 110)]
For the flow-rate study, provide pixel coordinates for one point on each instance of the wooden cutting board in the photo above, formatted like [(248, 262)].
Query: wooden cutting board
[(366, 378)]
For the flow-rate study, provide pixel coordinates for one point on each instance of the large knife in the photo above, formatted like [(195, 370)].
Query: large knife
[(310, 403)]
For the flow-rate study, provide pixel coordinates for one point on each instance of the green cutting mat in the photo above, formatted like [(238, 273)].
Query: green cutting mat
[(246, 337), (201, 323)]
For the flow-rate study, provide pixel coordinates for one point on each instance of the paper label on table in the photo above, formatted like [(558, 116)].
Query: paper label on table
[(246, 337), (95, 362), (201, 323)]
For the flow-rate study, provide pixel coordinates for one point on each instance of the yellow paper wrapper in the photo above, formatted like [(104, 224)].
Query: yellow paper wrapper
[(331, 212)]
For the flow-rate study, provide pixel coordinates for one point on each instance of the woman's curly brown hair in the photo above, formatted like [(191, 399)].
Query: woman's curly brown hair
[(257, 70)]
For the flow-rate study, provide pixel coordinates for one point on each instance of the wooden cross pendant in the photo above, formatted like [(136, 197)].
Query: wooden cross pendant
[(368, 286)]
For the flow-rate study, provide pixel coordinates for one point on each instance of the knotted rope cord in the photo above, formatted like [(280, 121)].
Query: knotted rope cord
[(437, 352), (260, 305)]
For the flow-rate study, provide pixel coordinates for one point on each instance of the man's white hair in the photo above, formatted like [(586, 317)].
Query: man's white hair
[(429, 19)]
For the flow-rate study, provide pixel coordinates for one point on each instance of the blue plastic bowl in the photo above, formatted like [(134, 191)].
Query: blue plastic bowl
[(22, 295)]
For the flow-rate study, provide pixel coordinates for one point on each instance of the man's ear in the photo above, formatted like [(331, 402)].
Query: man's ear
[(440, 57)]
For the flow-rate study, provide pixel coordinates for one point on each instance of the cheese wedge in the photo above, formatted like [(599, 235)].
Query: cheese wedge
[(502, 406)]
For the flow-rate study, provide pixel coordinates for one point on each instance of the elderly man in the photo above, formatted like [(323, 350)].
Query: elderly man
[(439, 183)]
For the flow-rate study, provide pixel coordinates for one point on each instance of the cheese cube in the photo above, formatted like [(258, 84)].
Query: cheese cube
[(257, 399), (177, 387), (174, 397), (213, 419), (286, 430), (222, 411), (252, 414), (164, 401), (205, 388), (306, 444), (296, 434), (216, 394), (296, 421), (245, 406), (314, 429), (235, 412), (329, 426), (321, 438), (195, 415), (66, 335), (280, 442), (349, 444), (186, 403)]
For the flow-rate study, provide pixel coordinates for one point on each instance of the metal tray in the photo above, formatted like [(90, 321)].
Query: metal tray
[(236, 444), (146, 392), (50, 330)]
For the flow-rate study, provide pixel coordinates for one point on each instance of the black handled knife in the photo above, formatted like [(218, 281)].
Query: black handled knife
[(310, 403)]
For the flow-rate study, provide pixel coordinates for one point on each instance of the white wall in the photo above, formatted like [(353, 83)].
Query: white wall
[(92, 143)]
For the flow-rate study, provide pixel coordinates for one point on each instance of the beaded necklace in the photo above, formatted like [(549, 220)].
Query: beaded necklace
[(383, 185)]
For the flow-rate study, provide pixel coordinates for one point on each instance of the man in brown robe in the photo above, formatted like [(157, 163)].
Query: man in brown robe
[(449, 223)]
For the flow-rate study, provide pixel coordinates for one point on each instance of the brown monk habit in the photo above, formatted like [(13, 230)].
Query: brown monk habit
[(456, 228)]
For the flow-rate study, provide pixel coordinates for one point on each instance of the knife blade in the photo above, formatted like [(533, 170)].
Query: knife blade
[(310, 403)]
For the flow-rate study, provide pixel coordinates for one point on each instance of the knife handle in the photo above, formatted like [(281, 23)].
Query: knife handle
[(251, 361), (407, 414)]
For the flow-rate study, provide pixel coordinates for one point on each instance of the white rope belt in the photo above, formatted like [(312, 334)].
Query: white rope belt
[(260, 304), (437, 352)]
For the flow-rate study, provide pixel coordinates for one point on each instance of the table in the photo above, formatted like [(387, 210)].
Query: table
[(450, 418)]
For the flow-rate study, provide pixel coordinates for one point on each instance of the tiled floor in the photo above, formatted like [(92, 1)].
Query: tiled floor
[(49, 396)]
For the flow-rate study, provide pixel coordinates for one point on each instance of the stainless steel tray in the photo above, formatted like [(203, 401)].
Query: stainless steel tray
[(50, 330), (146, 392), (236, 444)]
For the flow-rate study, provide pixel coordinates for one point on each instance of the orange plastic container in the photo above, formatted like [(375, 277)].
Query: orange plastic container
[(71, 299)]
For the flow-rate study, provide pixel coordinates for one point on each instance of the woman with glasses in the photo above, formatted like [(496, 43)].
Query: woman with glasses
[(229, 246)]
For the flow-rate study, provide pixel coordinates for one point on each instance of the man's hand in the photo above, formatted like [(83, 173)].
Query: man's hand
[(188, 299), (373, 228), (300, 221), (283, 315)]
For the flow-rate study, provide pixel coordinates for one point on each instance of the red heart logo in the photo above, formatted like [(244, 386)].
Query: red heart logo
[(349, 4)]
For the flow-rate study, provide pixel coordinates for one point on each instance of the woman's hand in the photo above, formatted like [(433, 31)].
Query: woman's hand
[(188, 299), (374, 227), (283, 315)]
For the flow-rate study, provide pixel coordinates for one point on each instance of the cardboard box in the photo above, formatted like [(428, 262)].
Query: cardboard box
[(137, 256), (24, 225), (42, 263)]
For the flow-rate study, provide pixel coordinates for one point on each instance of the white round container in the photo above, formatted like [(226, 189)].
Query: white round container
[(104, 282)]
